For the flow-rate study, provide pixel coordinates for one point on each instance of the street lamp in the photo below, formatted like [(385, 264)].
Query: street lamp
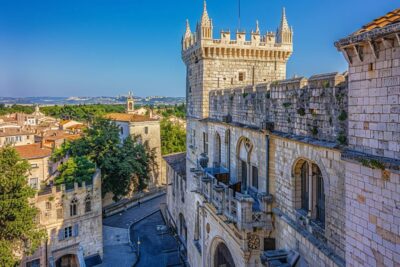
[(138, 245)]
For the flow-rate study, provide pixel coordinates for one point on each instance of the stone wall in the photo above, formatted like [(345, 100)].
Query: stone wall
[(372, 216), (374, 99), (294, 238), (316, 107), (287, 153)]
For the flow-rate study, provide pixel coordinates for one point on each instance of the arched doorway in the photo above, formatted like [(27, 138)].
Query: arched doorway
[(69, 260), (222, 256)]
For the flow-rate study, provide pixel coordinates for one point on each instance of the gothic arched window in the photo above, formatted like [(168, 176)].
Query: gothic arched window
[(88, 204), (73, 207), (217, 149), (304, 186)]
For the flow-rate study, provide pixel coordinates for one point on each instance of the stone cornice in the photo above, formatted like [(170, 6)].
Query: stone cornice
[(368, 36)]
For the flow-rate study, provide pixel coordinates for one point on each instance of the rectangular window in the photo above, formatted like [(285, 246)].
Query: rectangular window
[(48, 205), (34, 166), (255, 177), (242, 76), (33, 182), (34, 263), (194, 138), (67, 232), (146, 130), (370, 66), (205, 143)]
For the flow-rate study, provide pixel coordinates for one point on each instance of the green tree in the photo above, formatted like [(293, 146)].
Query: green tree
[(124, 166), (126, 169), (76, 169), (173, 137), (18, 228)]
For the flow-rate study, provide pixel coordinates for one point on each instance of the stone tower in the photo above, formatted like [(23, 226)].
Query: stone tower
[(222, 63), (130, 104)]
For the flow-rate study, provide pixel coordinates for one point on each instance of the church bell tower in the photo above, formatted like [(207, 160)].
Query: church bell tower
[(130, 104)]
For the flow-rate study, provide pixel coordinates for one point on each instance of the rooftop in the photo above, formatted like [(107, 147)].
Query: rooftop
[(33, 151), (128, 117), (177, 162), (390, 18), (53, 135), (13, 132)]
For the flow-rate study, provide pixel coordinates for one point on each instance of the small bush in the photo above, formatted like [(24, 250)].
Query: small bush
[(287, 104), (301, 111), (342, 116)]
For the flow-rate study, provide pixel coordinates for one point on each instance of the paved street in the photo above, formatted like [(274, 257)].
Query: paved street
[(157, 246), (124, 219), (117, 250)]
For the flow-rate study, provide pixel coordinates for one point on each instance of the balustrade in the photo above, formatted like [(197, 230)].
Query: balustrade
[(235, 206)]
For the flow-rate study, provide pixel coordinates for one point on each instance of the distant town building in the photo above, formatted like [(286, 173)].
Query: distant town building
[(71, 126), (15, 137), (38, 157)]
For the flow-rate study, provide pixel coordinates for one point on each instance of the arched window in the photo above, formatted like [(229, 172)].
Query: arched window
[(182, 227), (304, 186), (130, 106), (310, 192), (228, 149), (197, 226), (88, 204), (73, 207), (320, 195), (217, 147), (243, 151)]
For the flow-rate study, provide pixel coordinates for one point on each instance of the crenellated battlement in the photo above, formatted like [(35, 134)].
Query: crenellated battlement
[(268, 46), (314, 107), (232, 60)]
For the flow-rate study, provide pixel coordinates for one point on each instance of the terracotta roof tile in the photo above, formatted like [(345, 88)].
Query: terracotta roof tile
[(389, 18), (33, 151), (128, 117), (13, 132), (379, 27)]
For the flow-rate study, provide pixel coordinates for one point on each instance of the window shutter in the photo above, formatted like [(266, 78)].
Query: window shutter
[(76, 230), (60, 234)]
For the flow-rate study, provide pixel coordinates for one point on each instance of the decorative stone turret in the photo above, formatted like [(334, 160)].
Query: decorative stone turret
[(284, 33)]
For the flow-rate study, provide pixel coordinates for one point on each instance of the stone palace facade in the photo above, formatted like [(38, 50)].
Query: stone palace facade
[(289, 171)]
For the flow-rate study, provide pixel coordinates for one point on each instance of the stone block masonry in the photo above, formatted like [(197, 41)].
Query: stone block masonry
[(316, 107)]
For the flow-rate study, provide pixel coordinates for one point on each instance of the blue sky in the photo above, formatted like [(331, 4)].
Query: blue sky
[(105, 48)]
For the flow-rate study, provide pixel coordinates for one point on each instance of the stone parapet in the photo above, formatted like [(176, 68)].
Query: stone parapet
[(316, 107)]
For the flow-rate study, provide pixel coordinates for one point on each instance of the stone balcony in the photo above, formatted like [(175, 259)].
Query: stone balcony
[(245, 210)]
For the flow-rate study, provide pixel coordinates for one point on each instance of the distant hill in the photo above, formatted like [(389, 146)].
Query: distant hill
[(50, 101)]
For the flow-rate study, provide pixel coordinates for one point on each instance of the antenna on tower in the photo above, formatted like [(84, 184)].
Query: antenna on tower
[(239, 14)]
